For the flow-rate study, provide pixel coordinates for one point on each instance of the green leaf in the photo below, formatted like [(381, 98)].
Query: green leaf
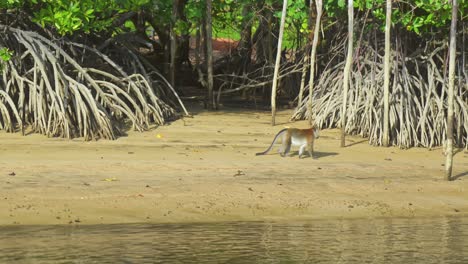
[(341, 3), (5, 54), (429, 19)]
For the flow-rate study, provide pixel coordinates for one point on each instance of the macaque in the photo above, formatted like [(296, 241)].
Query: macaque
[(296, 137)]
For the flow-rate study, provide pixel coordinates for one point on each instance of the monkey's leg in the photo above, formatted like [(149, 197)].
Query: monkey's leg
[(286, 150), (281, 150), (311, 150), (301, 150), (285, 145)]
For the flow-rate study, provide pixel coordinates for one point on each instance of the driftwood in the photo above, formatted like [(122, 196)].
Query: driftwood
[(61, 95)]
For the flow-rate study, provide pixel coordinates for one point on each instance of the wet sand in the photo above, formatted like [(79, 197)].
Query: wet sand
[(204, 169)]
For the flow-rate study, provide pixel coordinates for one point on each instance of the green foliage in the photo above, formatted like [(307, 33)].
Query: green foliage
[(419, 16), (297, 15), (194, 10), (427, 14), (181, 27), (10, 4), (227, 15), (68, 16), (161, 11), (335, 8), (132, 5), (5, 55)]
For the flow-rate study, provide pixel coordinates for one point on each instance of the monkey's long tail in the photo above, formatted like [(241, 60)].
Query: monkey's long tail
[(272, 143)]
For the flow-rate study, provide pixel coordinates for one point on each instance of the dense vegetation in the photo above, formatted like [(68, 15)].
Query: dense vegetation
[(89, 67)]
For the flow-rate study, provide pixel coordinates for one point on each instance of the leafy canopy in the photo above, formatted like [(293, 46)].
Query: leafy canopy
[(68, 16)]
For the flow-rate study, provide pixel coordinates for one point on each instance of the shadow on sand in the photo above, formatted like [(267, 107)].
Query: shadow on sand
[(324, 154), (317, 154), (356, 143), (461, 175)]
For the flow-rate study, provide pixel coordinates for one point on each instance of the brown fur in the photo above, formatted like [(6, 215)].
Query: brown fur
[(294, 136)]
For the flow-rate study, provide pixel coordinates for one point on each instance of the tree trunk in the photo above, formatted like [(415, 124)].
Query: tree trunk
[(277, 63), (452, 52), (245, 42), (199, 48), (172, 64), (209, 61), (183, 41), (269, 36), (313, 52), (386, 136), (347, 70), (303, 77)]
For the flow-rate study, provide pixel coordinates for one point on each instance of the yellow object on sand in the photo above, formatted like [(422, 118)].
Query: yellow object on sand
[(110, 179)]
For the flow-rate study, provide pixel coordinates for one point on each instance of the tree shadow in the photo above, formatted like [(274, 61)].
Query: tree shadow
[(324, 154), (316, 154), (459, 150), (463, 174), (356, 143)]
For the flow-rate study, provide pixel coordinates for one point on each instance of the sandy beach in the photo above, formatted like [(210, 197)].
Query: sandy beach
[(204, 169)]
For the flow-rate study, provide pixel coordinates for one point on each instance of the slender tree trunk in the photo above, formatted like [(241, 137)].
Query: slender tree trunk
[(277, 63), (204, 49), (209, 61), (172, 65), (306, 62), (347, 70), (386, 136), (269, 36), (312, 54), (245, 42), (183, 41), (303, 77), (267, 47), (452, 51), (199, 48)]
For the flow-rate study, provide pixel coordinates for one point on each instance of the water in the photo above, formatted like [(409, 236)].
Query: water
[(440, 240)]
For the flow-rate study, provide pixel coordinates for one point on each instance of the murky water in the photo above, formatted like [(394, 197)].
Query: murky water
[(442, 240)]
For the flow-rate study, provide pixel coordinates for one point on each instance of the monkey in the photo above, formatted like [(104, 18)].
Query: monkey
[(297, 137)]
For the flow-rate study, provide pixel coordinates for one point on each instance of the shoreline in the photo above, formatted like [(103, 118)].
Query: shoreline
[(204, 170)]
